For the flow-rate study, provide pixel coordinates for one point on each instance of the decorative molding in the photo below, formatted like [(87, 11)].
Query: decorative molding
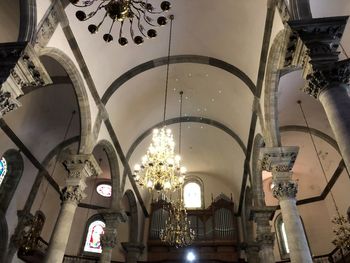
[(20, 68), (109, 237), (321, 36), (133, 247), (81, 166), (73, 193), (285, 190), (322, 79), (278, 159)]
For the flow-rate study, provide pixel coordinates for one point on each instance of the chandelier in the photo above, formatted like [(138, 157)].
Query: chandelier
[(178, 231), (139, 14), (341, 224), (160, 168)]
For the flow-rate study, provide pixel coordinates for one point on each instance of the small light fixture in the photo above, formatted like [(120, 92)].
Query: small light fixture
[(190, 256)]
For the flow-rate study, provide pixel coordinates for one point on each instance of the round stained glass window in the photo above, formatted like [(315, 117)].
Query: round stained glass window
[(104, 189), (3, 169)]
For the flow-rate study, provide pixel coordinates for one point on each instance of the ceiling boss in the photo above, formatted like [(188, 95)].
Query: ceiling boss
[(142, 17)]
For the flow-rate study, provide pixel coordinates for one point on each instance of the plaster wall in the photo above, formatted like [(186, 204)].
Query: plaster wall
[(9, 17)]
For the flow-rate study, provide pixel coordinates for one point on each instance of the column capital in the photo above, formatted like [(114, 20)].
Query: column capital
[(278, 159), (109, 237), (113, 217), (265, 238), (321, 36), (283, 190), (73, 193), (321, 79), (81, 166)]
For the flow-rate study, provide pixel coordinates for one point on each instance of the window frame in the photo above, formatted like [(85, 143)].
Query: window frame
[(199, 182), (92, 219)]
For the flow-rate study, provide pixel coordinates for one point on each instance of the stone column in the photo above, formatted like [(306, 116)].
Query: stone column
[(279, 161), (328, 78), (252, 252), (79, 167), (133, 251), (265, 238), (109, 237)]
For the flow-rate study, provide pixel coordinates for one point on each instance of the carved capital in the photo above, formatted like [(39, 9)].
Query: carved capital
[(283, 190), (112, 218), (321, 36), (329, 76), (278, 159), (81, 166), (109, 238), (73, 193)]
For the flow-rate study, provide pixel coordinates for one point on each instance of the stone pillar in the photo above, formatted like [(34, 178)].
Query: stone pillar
[(279, 161), (109, 237), (133, 251), (252, 252), (264, 237), (79, 167), (328, 78)]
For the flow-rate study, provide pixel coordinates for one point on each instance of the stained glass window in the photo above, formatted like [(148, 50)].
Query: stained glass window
[(93, 240), (3, 169), (192, 195), (104, 190)]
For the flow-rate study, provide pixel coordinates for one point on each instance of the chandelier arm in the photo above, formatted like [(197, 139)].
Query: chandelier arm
[(93, 13), (140, 27), (110, 29), (121, 28), (99, 24), (131, 29), (318, 157), (144, 16), (86, 3), (167, 68)]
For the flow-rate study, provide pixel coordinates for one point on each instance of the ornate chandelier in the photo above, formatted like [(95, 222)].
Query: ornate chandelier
[(160, 168), (178, 231), (139, 14), (341, 224)]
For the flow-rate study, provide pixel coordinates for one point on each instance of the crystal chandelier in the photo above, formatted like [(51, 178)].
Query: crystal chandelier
[(139, 14), (178, 231), (341, 224), (160, 168)]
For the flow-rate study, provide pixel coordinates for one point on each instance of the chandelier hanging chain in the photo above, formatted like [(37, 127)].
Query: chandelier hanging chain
[(318, 157), (167, 68), (180, 122), (58, 157)]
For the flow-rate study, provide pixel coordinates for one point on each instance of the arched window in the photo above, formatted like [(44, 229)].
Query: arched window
[(3, 169), (93, 239), (193, 194)]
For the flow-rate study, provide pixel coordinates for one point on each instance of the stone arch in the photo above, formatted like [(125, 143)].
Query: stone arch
[(194, 119), (28, 17), (174, 60), (133, 221), (85, 144), (258, 197), (3, 237), (272, 77), (114, 169)]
